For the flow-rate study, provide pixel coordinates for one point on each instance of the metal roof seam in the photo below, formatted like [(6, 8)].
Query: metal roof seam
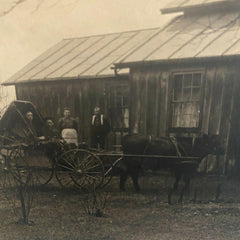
[(74, 56), (40, 61), (227, 26), (161, 29), (103, 56), (194, 37), (164, 43), (231, 45), (57, 59), (137, 32), (90, 56), (79, 54)]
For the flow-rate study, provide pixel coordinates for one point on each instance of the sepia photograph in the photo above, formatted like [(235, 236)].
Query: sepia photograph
[(120, 120)]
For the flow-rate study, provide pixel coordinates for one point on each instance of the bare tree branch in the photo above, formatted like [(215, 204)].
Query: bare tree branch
[(40, 2), (15, 4)]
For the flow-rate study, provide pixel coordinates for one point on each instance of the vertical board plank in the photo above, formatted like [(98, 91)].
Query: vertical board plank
[(151, 106), (216, 104), (233, 151), (135, 103), (207, 94), (227, 106), (164, 102)]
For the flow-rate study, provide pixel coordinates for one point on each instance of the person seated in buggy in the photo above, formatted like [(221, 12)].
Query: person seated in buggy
[(22, 123), (50, 131)]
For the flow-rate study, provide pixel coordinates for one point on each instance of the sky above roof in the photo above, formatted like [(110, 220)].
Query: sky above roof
[(35, 25)]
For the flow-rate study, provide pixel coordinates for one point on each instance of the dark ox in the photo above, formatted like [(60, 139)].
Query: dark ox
[(195, 151)]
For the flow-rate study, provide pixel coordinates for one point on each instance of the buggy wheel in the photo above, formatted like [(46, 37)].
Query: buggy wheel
[(17, 165), (41, 167), (23, 163), (7, 181), (81, 168)]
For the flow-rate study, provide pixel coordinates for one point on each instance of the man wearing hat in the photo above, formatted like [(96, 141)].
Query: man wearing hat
[(99, 129)]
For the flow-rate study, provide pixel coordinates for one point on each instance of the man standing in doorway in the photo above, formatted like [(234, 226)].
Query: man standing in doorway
[(99, 129)]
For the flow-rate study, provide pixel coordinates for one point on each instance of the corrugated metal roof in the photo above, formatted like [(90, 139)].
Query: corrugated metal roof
[(213, 35), (84, 57), (185, 37)]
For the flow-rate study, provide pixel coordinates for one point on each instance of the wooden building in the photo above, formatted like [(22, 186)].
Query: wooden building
[(181, 79), (185, 80), (77, 73)]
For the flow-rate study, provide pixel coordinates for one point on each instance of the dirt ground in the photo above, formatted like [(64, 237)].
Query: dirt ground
[(59, 214)]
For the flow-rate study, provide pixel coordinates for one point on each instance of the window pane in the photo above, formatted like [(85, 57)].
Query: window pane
[(177, 112), (196, 93), (187, 94), (187, 80), (177, 88), (187, 108), (126, 118), (196, 79)]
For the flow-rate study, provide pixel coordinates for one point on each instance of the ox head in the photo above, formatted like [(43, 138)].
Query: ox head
[(208, 144)]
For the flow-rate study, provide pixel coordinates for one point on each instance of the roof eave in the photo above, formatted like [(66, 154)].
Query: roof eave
[(176, 61), (63, 79)]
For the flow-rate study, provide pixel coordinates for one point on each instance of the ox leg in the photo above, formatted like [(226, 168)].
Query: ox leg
[(178, 175), (170, 195), (123, 178), (218, 192), (177, 179), (185, 187), (134, 176)]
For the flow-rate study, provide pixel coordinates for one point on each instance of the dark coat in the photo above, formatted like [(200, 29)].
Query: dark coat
[(99, 126)]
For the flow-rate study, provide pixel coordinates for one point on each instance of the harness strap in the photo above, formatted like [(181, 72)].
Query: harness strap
[(174, 142)]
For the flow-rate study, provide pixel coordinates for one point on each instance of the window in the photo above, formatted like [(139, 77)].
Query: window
[(186, 95), (119, 107)]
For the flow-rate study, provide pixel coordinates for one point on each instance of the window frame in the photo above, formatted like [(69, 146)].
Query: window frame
[(171, 102), (113, 99)]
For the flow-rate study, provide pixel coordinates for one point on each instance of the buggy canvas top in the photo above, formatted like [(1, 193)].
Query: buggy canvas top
[(15, 117)]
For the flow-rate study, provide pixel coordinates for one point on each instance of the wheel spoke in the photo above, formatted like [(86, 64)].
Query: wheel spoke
[(68, 162), (93, 173), (83, 161), (65, 167), (92, 167)]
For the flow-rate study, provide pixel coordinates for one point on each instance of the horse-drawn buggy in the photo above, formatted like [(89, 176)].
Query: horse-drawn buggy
[(24, 150)]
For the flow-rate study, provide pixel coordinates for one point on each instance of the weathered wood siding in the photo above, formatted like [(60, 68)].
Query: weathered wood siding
[(148, 102), (219, 111), (80, 95)]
